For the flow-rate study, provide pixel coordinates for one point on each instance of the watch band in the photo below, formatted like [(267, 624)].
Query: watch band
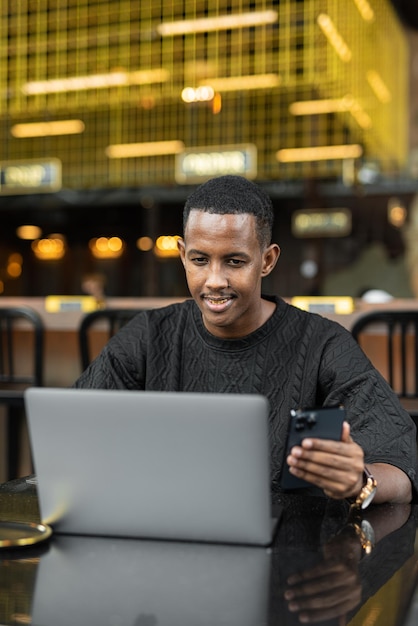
[(367, 493)]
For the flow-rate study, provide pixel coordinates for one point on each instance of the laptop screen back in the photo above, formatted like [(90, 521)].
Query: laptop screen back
[(167, 465)]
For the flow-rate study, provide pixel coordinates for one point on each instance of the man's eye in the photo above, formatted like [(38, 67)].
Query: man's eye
[(236, 262), (200, 260)]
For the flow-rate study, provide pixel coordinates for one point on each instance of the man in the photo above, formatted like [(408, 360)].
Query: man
[(232, 339)]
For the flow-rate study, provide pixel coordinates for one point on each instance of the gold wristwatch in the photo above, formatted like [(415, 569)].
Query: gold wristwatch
[(365, 533), (367, 493)]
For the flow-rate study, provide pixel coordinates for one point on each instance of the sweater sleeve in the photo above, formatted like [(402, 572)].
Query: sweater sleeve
[(379, 424), (122, 362)]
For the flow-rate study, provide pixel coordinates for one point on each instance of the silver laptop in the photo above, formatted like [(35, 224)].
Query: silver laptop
[(98, 581), (164, 465)]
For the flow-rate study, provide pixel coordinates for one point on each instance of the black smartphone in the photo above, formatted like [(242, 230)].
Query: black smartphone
[(321, 423)]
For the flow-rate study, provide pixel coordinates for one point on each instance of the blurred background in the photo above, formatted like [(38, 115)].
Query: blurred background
[(112, 110)]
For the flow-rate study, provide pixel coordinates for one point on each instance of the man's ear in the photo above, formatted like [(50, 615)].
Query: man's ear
[(182, 249), (270, 258)]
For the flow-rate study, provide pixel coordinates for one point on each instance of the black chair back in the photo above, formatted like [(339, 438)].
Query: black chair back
[(16, 371), (109, 321), (399, 330), (21, 366)]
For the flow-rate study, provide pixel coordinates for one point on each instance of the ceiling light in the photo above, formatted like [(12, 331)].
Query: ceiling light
[(14, 265), (43, 129), (317, 107), (397, 213), (204, 93), (50, 249), (152, 148), (335, 39), (28, 231), (144, 243), (362, 118), (15, 257), (14, 270), (379, 87), (221, 22), (166, 246), (96, 81), (241, 83), (365, 10), (107, 247), (336, 105), (319, 153)]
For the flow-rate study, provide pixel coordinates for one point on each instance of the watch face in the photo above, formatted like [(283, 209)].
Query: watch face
[(368, 538), (367, 529), (369, 491), (367, 500)]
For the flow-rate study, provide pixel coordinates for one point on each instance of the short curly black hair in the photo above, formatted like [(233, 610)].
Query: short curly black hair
[(237, 195)]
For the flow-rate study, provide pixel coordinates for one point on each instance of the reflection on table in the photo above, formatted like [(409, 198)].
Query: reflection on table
[(325, 567)]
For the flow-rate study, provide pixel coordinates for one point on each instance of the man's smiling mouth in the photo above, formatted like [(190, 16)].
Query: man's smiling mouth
[(218, 304), (217, 300)]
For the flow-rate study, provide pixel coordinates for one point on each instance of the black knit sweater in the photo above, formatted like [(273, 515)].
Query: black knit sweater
[(296, 359)]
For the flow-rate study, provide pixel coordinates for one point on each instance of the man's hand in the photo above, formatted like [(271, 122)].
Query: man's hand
[(334, 466), (337, 468), (327, 591)]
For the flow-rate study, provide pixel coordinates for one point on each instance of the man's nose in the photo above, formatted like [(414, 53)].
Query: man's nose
[(216, 277)]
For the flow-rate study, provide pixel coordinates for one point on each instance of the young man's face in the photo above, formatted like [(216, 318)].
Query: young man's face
[(224, 265)]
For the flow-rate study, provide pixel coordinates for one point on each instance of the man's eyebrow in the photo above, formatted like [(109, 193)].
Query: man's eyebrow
[(237, 253), (199, 252)]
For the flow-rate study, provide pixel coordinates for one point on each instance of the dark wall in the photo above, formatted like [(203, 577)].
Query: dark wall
[(139, 273)]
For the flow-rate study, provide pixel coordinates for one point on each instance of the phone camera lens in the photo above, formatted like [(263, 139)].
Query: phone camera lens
[(300, 422), (311, 419)]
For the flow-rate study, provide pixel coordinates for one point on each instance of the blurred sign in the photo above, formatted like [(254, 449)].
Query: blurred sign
[(321, 223), (69, 304), (34, 176), (341, 305), (196, 165)]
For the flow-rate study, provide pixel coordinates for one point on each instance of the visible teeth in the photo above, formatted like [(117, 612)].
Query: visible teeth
[(218, 300)]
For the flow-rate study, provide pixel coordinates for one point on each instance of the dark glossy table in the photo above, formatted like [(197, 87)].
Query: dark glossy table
[(315, 572)]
